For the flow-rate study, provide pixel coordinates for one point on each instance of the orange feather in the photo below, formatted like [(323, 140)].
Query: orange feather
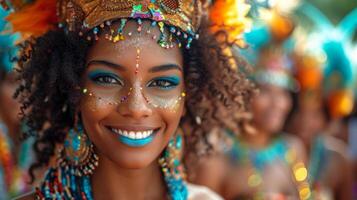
[(35, 19)]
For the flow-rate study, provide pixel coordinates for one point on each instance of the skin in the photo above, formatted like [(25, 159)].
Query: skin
[(316, 124), (10, 116), (133, 172), (270, 109)]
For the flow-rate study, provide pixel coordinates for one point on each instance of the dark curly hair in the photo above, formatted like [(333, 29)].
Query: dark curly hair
[(217, 94)]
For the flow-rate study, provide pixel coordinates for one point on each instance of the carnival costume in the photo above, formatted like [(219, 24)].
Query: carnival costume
[(178, 22), (269, 53), (13, 173)]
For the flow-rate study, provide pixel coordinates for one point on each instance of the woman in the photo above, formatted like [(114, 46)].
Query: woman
[(313, 121), (262, 162), (110, 88), (326, 154), (14, 156)]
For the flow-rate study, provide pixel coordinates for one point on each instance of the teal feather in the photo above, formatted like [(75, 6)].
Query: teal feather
[(7, 43)]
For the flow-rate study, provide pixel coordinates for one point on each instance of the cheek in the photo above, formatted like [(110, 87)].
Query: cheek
[(285, 103), (7, 101), (260, 104), (93, 111), (172, 119)]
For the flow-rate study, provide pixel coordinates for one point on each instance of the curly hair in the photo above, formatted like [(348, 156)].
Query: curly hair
[(49, 92)]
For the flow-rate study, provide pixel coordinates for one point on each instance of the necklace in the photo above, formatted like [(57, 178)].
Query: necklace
[(260, 159), (62, 182)]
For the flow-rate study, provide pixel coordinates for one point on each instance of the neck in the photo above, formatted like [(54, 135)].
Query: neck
[(136, 184), (259, 140)]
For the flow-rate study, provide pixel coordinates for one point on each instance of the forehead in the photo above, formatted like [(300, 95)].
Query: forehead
[(126, 49)]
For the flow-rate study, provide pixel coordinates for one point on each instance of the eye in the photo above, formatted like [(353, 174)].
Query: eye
[(105, 78), (165, 82)]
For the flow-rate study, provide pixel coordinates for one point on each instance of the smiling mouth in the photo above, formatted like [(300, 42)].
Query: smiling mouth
[(134, 138), (133, 134)]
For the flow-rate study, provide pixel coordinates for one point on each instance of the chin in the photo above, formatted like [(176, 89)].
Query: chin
[(137, 163), (275, 129), (133, 157)]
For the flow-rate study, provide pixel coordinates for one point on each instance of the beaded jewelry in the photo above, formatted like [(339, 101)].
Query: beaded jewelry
[(259, 160), (64, 181)]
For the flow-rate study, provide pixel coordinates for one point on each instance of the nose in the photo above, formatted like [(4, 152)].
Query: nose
[(281, 102), (135, 106)]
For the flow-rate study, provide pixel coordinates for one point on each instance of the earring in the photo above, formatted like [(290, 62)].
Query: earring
[(172, 168), (79, 152)]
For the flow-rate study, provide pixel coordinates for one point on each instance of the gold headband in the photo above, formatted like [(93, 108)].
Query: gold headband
[(182, 17), (81, 15)]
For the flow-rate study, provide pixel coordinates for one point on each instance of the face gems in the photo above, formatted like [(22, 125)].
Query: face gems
[(140, 25), (171, 104), (137, 60), (120, 35)]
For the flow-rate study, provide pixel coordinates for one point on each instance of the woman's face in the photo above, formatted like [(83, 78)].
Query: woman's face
[(133, 96), (9, 107), (270, 108), (313, 120)]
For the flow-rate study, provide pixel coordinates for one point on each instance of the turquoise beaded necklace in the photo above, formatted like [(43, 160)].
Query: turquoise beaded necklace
[(63, 183)]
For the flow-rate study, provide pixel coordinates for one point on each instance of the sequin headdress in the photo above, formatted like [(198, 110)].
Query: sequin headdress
[(271, 59), (88, 17), (182, 18)]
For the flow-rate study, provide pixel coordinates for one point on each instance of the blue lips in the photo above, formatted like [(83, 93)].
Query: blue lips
[(136, 142)]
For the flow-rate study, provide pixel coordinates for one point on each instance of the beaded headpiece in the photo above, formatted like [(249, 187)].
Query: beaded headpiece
[(271, 59), (87, 17)]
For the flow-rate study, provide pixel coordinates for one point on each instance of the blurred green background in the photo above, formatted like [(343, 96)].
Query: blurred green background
[(335, 10)]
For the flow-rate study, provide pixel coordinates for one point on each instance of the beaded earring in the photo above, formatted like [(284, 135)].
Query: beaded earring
[(173, 169), (79, 152)]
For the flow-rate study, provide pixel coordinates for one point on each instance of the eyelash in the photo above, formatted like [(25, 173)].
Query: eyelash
[(105, 79), (163, 83)]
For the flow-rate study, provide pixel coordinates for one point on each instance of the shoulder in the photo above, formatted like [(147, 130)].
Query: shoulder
[(336, 146), (197, 192), (28, 196), (337, 154), (295, 144)]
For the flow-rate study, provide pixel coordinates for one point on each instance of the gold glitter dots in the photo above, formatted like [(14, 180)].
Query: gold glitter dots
[(305, 192), (254, 180), (300, 171), (290, 156)]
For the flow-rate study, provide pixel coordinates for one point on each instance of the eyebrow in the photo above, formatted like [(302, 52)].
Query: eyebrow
[(159, 68), (106, 63), (165, 67)]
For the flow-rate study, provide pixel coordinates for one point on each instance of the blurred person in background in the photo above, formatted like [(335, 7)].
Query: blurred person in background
[(262, 162), (15, 157), (353, 150), (316, 123), (325, 102)]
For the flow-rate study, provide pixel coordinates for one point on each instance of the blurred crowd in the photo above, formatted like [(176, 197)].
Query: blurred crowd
[(300, 138)]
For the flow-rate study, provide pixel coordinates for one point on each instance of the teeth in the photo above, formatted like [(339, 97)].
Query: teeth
[(133, 134), (139, 135)]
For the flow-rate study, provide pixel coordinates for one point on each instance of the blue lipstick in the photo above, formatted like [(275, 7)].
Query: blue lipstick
[(136, 142)]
